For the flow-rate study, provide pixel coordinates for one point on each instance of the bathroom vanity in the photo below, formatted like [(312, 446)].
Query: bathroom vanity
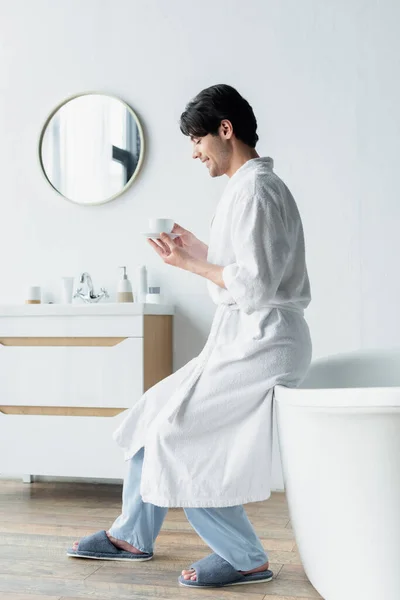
[(67, 374)]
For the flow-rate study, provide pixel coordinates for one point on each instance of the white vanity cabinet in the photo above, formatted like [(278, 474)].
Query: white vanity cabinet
[(67, 374)]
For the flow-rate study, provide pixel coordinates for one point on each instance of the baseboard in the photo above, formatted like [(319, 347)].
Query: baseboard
[(93, 480), (48, 479)]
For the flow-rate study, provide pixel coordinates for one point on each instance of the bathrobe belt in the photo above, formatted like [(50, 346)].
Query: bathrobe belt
[(293, 309)]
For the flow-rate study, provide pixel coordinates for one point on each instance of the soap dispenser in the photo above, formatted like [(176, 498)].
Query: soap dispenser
[(124, 293)]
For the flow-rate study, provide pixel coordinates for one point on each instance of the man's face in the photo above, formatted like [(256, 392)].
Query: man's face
[(214, 152)]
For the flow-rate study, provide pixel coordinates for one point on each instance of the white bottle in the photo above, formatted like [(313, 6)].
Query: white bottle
[(154, 296), (124, 292), (142, 283), (67, 289)]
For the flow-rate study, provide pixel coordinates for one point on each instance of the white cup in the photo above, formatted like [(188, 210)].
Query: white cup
[(67, 289), (161, 225)]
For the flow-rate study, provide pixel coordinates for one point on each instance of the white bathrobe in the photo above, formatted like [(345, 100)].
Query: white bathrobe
[(207, 428)]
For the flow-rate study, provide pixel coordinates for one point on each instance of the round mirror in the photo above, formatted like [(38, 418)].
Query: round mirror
[(91, 148)]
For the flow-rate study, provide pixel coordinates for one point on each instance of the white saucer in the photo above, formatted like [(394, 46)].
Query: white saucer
[(157, 235)]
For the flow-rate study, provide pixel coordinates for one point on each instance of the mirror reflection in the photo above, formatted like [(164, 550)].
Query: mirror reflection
[(91, 148)]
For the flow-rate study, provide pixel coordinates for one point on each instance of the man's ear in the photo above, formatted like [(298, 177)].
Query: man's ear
[(226, 129)]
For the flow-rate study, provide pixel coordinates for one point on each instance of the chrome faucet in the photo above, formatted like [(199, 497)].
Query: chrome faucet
[(89, 296)]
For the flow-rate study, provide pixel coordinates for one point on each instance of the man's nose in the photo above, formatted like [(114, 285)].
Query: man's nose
[(195, 153)]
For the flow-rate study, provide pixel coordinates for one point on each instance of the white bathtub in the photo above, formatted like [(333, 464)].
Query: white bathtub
[(339, 437)]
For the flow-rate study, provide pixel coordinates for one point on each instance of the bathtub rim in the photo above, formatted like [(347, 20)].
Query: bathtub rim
[(340, 397), (369, 394)]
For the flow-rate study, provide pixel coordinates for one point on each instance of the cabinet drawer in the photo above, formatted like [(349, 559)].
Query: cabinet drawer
[(72, 376), (79, 326), (73, 447)]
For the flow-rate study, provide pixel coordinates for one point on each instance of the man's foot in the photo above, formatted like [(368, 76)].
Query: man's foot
[(118, 544), (191, 573)]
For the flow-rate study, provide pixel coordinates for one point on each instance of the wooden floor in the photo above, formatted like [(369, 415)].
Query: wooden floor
[(39, 521)]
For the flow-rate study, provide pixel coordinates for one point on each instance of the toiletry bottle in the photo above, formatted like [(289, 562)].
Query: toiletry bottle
[(67, 289), (154, 296), (142, 283), (124, 293), (34, 295)]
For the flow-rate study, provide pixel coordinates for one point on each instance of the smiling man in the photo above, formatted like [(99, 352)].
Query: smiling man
[(202, 438)]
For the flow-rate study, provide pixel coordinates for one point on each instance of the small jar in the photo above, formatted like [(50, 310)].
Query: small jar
[(34, 295), (153, 296)]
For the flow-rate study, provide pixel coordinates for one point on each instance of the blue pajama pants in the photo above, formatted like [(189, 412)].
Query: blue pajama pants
[(227, 531)]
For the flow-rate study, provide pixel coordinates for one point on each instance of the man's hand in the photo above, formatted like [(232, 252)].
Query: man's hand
[(189, 242), (174, 255), (171, 253)]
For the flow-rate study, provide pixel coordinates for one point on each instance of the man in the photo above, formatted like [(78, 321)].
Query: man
[(201, 438)]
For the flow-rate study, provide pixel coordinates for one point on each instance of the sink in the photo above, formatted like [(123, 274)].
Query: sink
[(106, 308)]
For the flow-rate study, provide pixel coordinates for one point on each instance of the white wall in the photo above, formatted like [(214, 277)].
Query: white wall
[(323, 81)]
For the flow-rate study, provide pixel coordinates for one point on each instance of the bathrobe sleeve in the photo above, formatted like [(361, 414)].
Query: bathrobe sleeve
[(261, 246)]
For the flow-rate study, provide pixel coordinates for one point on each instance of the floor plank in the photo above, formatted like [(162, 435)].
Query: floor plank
[(8, 596), (39, 521)]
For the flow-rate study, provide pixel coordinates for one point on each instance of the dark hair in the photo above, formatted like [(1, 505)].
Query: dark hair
[(203, 114)]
